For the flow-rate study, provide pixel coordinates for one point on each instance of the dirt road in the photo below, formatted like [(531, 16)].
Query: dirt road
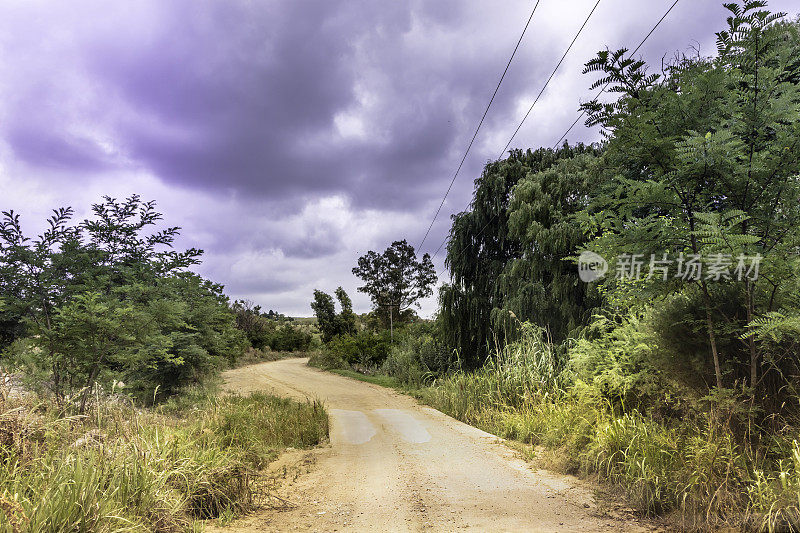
[(394, 465)]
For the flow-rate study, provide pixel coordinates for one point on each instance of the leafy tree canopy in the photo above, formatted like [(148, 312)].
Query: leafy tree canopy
[(396, 279), (108, 300)]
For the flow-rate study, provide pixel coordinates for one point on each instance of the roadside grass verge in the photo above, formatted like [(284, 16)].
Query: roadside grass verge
[(698, 470), (120, 468), (694, 471)]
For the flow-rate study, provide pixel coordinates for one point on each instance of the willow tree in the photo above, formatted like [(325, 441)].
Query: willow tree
[(479, 251), (542, 284)]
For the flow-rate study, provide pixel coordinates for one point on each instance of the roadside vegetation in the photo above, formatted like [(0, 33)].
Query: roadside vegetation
[(109, 349), (674, 374), (119, 468)]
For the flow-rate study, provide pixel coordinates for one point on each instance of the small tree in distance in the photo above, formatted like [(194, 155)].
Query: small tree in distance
[(331, 324), (395, 280)]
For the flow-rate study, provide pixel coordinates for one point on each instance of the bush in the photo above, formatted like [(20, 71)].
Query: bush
[(622, 360), (364, 351), (419, 355), (289, 339), (156, 339), (108, 299), (404, 365), (327, 360)]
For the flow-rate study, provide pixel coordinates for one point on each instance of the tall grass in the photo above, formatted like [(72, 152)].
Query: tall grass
[(123, 469), (699, 469)]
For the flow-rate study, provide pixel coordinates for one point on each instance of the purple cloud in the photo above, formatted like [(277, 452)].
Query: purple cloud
[(289, 137)]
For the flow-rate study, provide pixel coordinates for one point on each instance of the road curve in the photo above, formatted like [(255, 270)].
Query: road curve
[(395, 465)]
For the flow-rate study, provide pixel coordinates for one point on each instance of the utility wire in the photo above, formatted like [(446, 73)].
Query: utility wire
[(538, 96), (583, 113), (646, 37), (550, 78), (469, 147)]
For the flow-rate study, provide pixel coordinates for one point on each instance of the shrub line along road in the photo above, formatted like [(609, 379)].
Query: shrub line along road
[(395, 465)]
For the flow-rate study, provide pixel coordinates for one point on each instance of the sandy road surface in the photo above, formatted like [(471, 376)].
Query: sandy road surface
[(394, 465)]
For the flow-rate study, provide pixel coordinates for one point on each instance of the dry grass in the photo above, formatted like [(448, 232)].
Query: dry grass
[(120, 468)]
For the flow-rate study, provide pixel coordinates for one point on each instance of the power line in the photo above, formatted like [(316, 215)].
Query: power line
[(475, 135), (646, 37), (541, 92), (583, 113), (550, 78)]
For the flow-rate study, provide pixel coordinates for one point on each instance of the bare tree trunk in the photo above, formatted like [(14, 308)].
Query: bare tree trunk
[(713, 341), (751, 340), (87, 390), (391, 324)]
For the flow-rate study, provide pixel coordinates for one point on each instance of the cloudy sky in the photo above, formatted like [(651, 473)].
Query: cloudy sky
[(288, 137)]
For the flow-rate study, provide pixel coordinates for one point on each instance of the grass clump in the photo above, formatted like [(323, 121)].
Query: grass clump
[(119, 468)]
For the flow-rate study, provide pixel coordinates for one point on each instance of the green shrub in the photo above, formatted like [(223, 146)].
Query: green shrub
[(289, 339), (404, 365), (365, 350), (326, 359), (99, 311), (618, 359)]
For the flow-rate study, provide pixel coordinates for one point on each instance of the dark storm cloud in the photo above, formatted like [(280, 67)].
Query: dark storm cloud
[(244, 97), (54, 149)]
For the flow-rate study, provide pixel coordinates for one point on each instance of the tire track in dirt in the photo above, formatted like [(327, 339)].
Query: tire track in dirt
[(394, 465)]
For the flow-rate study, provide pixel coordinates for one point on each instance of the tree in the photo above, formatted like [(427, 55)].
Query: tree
[(257, 327), (704, 161), (542, 284), (347, 318), (493, 270), (329, 322), (11, 325), (93, 334), (105, 299), (395, 279)]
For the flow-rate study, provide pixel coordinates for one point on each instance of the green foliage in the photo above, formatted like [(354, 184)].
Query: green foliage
[(419, 355), (364, 350), (256, 327), (92, 334), (704, 161), (265, 332), (396, 280), (196, 336), (622, 361), (681, 391), (11, 325), (104, 301), (288, 338), (574, 420), (510, 245), (346, 321), (329, 322), (541, 285)]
